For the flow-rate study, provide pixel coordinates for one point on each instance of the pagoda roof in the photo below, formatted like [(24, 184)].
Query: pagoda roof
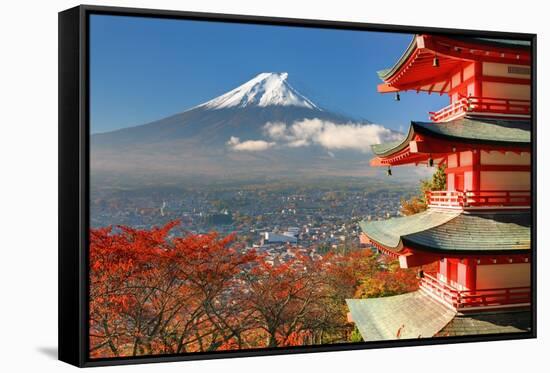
[(487, 323), (468, 130), (414, 69), (417, 315), (499, 43), (454, 232), (516, 43), (387, 72), (406, 316)]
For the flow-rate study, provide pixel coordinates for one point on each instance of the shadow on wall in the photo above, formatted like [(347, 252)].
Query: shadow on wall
[(50, 352)]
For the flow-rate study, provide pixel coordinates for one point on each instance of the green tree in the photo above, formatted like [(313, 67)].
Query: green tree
[(418, 203), (355, 335)]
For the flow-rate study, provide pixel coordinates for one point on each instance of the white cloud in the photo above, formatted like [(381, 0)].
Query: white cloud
[(248, 146), (330, 135), (297, 143), (275, 130)]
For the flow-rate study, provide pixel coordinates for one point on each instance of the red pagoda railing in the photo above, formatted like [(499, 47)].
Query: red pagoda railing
[(483, 105), (477, 199), (465, 299), (449, 112)]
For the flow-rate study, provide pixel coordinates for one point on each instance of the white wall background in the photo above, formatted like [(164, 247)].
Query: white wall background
[(28, 184)]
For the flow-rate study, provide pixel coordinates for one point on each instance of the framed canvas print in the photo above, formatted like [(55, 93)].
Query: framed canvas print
[(238, 186)]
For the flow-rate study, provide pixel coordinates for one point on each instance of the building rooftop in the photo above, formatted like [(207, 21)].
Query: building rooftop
[(445, 231), (406, 316), (487, 323), (470, 130), (417, 315), (520, 45)]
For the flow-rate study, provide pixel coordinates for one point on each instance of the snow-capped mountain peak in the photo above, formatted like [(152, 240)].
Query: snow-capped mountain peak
[(265, 89)]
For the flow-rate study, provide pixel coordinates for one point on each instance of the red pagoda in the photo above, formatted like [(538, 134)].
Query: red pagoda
[(478, 230)]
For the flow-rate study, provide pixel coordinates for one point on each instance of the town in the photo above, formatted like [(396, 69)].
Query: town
[(315, 216)]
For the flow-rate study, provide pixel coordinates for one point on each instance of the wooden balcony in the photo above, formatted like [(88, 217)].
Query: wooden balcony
[(470, 300), (488, 106), (493, 199)]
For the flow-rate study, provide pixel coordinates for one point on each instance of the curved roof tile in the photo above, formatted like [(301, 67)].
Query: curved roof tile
[(458, 232)]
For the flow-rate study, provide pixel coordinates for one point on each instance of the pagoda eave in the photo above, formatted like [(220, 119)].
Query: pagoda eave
[(411, 255), (452, 233), (426, 140), (402, 158), (416, 69), (421, 150)]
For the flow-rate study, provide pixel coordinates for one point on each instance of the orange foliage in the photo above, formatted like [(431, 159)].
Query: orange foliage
[(151, 293), (391, 280)]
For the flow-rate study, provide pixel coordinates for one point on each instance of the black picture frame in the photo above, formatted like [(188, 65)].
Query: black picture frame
[(74, 184)]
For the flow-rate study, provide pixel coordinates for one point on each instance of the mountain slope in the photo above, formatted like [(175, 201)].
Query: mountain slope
[(196, 142), (241, 112), (214, 126)]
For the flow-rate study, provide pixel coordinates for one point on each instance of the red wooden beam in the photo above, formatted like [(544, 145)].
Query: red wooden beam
[(504, 79), (386, 88), (447, 83), (421, 78), (383, 249), (429, 145), (416, 259), (476, 174), (456, 49), (503, 168), (482, 49)]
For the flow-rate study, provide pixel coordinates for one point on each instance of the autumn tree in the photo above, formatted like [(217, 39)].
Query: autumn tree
[(343, 273), (152, 293), (212, 268), (128, 288), (388, 280), (285, 296), (149, 294)]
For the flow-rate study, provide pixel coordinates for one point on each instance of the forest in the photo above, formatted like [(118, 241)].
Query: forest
[(155, 293)]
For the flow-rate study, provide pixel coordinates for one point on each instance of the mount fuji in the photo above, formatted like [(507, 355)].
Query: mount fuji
[(266, 89), (204, 140)]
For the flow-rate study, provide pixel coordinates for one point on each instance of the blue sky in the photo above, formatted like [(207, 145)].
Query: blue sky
[(144, 69)]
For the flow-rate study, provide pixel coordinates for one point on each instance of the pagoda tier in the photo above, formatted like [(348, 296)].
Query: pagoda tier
[(425, 140), (484, 257), (485, 77), (482, 284), (488, 161)]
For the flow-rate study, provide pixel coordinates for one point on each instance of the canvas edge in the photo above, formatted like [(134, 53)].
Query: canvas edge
[(74, 185), (70, 250)]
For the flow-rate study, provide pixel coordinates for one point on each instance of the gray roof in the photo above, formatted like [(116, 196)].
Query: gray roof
[(417, 315), (468, 129), (389, 232), (479, 130), (390, 147), (451, 231), (517, 43), (487, 323), (405, 316), (386, 73)]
